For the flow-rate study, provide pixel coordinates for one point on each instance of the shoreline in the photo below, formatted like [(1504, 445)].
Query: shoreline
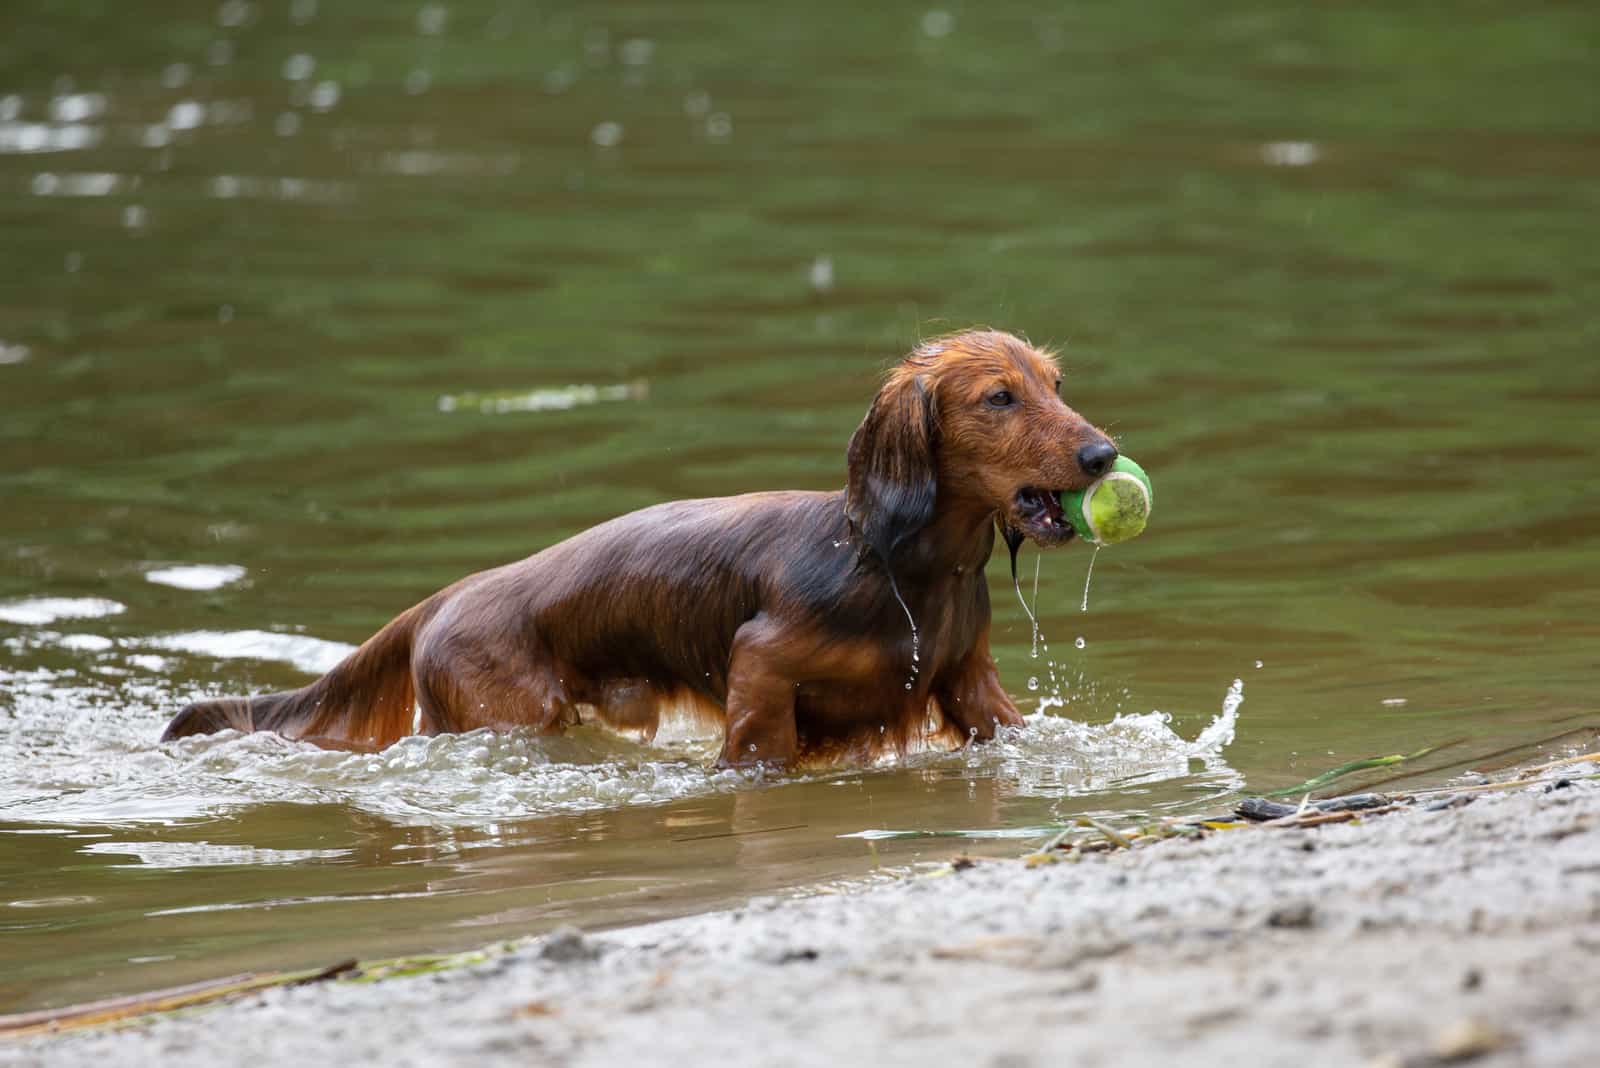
[(1466, 930)]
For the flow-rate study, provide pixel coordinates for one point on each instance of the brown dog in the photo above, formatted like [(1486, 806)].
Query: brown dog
[(786, 616)]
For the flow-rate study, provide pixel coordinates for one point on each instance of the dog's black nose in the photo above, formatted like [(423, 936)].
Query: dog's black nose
[(1096, 458)]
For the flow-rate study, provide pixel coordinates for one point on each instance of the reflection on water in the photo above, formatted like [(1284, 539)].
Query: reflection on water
[(311, 309)]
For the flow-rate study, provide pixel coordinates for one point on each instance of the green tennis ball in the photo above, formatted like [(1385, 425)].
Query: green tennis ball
[(1115, 507)]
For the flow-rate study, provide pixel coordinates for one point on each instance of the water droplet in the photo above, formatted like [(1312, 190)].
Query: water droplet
[(559, 79), (186, 115), (1033, 682), (719, 127), (1290, 153), (822, 274), (1258, 664), (882, 728), (175, 75), (908, 684), (1079, 642), (972, 732), (636, 51), (432, 18), (298, 67), (325, 95), (697, 105), (752, 747), (607, 134), (234, 13), (134, 217), (938, 23), (417, 82)]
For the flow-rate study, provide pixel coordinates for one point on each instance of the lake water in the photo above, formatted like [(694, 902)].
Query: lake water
[(308, 308)]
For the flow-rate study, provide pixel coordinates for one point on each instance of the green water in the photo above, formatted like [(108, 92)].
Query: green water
[(1329, 274)]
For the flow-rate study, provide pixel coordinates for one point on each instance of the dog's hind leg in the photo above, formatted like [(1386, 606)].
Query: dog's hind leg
[(463, 684)]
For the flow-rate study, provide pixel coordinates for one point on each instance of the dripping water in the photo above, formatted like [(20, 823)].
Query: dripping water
[(1087, 576), (916, 637), (1039, 644), (1028, 611)]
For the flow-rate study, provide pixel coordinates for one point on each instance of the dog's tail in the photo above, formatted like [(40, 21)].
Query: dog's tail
[(367, 701)]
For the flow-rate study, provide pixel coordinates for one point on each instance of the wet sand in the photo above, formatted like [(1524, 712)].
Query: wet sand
[(1467, 934)]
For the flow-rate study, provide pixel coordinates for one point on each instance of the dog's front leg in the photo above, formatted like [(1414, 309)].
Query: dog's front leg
[(760, 706), (972, 698)]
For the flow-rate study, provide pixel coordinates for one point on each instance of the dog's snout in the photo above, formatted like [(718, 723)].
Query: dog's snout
[(1097, 457)]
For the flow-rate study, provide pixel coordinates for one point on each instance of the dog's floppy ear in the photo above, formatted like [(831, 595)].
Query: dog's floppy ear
[(891, 485)]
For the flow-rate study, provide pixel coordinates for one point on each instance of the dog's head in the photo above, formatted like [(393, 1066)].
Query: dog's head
[(976, 420)]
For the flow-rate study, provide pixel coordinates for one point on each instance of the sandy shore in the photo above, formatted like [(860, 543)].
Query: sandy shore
[(1461, 934)]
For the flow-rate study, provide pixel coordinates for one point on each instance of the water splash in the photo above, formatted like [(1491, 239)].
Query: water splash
[(1054, 755), (1221, 731)]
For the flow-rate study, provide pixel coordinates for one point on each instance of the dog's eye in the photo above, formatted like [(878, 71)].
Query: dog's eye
[(1001, 399)]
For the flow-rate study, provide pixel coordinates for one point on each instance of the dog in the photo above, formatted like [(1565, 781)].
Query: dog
[(811, 626)]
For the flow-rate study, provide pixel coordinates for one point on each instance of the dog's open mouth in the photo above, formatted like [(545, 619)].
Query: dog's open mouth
[(1039, 513)]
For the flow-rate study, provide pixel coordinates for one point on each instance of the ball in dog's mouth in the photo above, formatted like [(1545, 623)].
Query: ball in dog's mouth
[(1114, 508)]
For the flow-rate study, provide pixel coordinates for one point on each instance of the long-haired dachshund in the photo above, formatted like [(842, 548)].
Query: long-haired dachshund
[(811, 626)]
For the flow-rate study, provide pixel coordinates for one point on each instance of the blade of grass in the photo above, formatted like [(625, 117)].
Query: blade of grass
[(1318, 782), (1480, 758)]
